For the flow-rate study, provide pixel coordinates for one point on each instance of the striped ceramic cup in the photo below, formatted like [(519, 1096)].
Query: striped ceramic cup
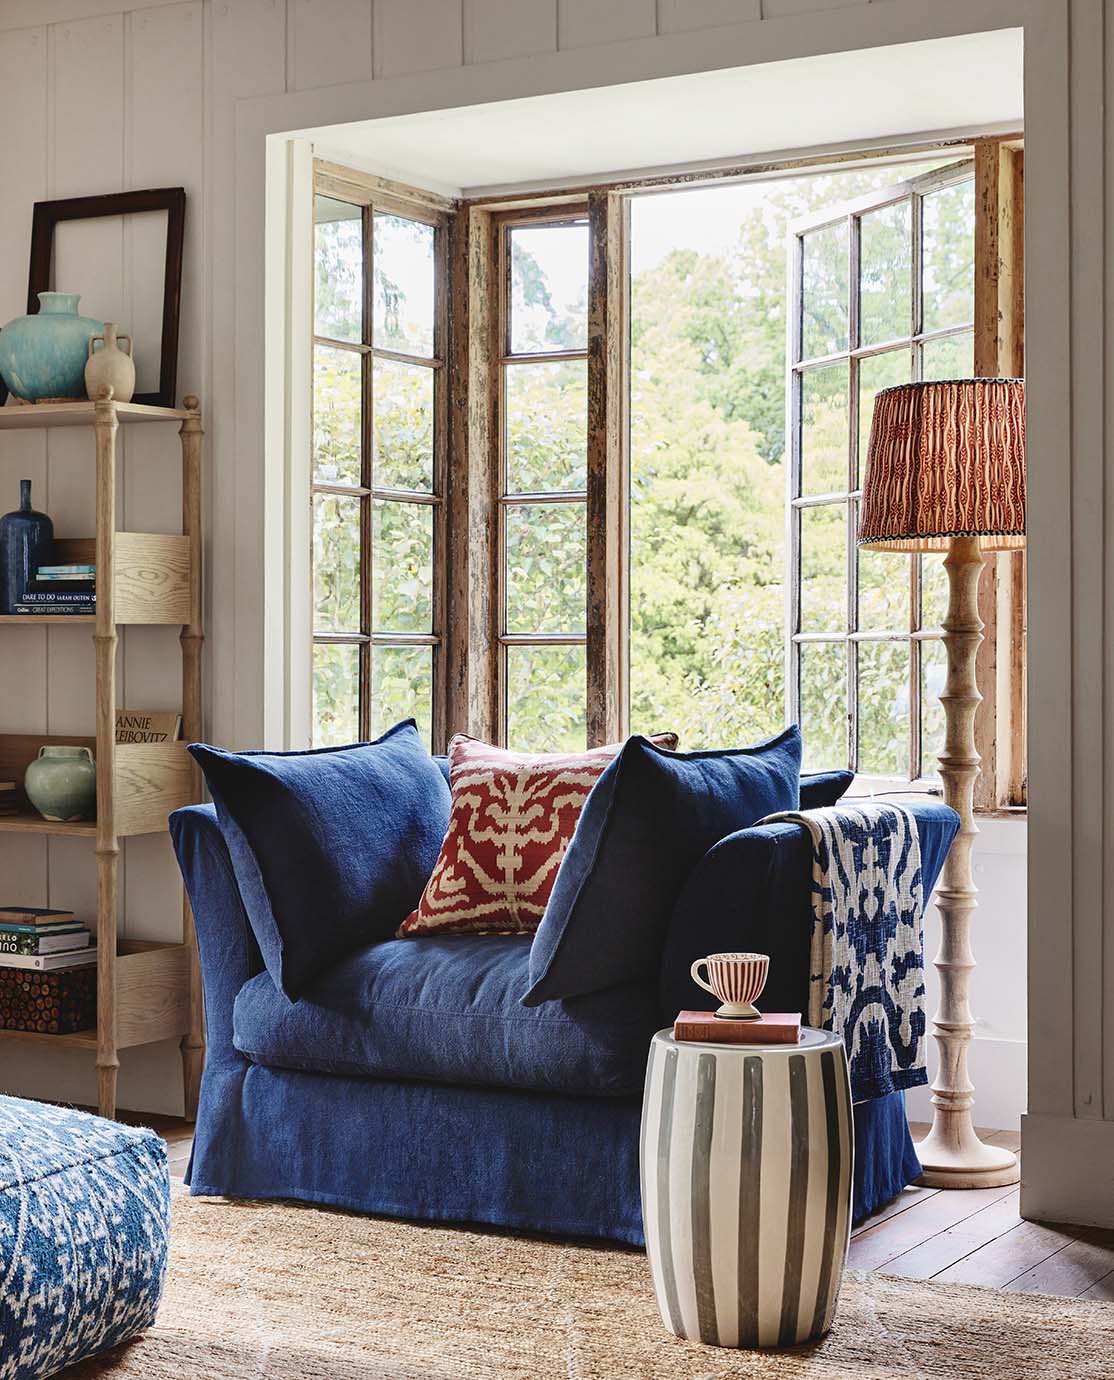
[(737, 979)]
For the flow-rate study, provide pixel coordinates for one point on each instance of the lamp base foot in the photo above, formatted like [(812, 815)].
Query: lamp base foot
[(969, 1164)]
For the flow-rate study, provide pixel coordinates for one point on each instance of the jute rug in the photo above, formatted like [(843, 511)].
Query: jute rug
[(296, 1293)]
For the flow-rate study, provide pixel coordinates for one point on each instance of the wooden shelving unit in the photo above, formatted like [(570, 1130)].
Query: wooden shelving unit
[(145, 991)]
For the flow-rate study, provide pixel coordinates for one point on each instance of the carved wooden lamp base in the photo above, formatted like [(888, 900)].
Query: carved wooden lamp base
[(951, 1153)]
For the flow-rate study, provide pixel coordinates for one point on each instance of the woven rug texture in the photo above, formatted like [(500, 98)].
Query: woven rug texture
[(289, 1292)]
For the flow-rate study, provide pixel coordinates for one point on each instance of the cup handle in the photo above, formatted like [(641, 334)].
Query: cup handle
[(89, 753), (695, 974), (92, 341), (128, 338)]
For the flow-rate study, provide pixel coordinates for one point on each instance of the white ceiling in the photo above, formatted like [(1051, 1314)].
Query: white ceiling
[(966, 83)]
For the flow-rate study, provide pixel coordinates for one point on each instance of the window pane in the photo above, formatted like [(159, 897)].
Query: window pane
[(402, 587), (337, 403), (546, 568), (546, 692), (950, 357), (825, 292), (824, 705), (336, 563), (934, 591), (884, 708), (884, 591), (877, 372), (886, 275), (336, 694), (824, 430), (403, 421), (549, 288), (824, 568), (934, 672), (402, 688), (404, 285), (547, 421), (338, 261), (949, 256)]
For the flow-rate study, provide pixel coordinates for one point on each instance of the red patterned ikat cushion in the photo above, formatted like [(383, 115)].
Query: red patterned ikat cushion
[(513, 815)]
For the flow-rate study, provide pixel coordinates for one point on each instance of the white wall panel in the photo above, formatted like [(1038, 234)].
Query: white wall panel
[(774, 9), (587, 23), (676, 16), (498, 29), (416, 36), (330, 42)]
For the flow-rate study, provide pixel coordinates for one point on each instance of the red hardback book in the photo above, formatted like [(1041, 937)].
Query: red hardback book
[(771, 1028)]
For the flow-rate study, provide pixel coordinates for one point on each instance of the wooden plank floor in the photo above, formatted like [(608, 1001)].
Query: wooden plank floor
[(973, 1236)]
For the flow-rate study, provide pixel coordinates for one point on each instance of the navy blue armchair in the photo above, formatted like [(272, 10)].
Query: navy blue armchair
[(409, 1080)]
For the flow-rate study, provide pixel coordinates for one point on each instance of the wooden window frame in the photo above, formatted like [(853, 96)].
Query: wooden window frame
[(372, 195), (848, 497), (470, 638), (503, 224)]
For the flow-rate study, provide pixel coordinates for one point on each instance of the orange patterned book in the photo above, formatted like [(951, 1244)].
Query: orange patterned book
[(771, 1028)]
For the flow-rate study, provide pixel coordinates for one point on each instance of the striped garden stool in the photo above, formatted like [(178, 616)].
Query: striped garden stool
[(746, 1187)]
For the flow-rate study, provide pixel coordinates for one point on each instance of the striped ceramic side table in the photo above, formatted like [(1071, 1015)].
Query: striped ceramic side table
[(746, 1187)]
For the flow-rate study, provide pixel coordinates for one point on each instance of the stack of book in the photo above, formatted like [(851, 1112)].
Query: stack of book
[(60, 589), (44, 940), (8, 805)]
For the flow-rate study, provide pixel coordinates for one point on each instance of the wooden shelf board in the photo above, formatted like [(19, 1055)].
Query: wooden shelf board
[(30, 620), (80, 1039), (30, 822), (19, 417)]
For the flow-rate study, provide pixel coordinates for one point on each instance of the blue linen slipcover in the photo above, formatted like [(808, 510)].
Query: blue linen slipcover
[(447, 1010), (84, 1233), (468, 1136)]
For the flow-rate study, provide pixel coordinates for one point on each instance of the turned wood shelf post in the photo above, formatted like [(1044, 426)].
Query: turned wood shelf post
[(107, 846), (951, 1153), (192, 637)]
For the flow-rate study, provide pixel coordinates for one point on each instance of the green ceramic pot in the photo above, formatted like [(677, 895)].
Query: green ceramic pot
[(61, 783), (43, 356)]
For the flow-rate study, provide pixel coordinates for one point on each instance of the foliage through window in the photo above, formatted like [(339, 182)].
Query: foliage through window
[(378, 384)]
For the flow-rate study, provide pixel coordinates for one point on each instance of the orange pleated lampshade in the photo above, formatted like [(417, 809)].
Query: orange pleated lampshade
[(946, 460)]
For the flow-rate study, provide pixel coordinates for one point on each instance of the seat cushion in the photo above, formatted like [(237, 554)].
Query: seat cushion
[(447, 1010), (651, 817), (331, 848)]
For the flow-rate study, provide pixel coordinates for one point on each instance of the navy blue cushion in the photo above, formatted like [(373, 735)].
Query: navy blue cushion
[(331, 848), (447, 1010), (820, 788), (650, 818)]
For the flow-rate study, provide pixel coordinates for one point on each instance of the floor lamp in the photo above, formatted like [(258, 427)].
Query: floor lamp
[(946, 472)]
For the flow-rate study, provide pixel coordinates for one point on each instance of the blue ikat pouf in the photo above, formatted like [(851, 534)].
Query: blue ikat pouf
[(84, 1232)]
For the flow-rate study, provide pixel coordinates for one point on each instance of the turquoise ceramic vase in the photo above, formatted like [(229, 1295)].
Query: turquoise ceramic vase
[(61, 783), (44, 356)]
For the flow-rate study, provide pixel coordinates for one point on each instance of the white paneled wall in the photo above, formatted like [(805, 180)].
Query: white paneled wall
[(102, 95)]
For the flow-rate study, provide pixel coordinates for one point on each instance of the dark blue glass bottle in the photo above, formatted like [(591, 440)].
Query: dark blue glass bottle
[(26, 542)]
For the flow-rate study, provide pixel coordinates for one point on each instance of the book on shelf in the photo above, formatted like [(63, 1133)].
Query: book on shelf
[(55, 596), (55, 942), (55, 927), (62, 606), (54, 585), (7, 786), (49, 963), (770, 1028), (147, 726), (64, 572), (34, 915)]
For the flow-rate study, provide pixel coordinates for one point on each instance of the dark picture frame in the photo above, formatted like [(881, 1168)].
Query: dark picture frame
[(172, 200)]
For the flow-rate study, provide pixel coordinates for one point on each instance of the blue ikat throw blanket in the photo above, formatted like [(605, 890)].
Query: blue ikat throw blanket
[(866, 970)]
